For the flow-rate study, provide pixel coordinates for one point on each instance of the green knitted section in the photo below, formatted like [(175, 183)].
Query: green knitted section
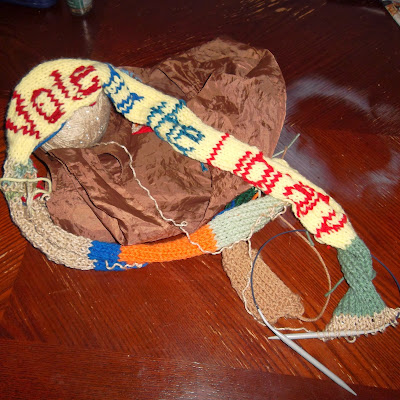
[(362, 298), (242, 198), (239, 223), (20, 171)]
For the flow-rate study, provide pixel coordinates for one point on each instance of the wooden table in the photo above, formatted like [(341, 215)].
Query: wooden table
[(178, 330)]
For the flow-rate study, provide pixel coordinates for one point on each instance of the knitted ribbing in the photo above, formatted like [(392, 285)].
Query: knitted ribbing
[(376, 322)]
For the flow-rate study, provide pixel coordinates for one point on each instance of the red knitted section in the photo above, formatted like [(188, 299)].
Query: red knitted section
[(54, 108), (79, 74), (48, 103), (143, 129), (309, 198), (59, 83), (217, 148), (241, 163), (29, 128), (269, 176), (327, 226)]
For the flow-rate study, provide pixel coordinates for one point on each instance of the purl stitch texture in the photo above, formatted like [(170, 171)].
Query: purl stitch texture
[(48, 96)]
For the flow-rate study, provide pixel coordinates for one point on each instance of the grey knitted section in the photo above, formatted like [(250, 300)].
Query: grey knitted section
[(240, 223)]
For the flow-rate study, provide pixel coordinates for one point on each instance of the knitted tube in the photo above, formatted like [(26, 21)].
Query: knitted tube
[(361, 308), (223, 230)]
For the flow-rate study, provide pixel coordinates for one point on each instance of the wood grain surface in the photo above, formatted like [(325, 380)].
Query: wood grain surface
[(178, 330)]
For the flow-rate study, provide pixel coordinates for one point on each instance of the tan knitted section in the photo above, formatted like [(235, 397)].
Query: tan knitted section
[(59, 246), (274, 298), (378, 322), (36, 225)]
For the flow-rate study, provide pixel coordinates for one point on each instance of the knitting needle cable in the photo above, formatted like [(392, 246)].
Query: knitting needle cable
[(294, 346)]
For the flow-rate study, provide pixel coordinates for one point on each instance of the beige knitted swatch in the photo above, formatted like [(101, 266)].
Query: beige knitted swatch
[(274, 298)]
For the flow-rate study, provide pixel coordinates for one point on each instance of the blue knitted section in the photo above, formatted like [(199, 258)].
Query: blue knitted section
[(114, 78), (114, 86), (177, 131), (125, 106), (101, 252)]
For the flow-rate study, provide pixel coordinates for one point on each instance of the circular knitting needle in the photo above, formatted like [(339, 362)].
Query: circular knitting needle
[(299, 350), (294, 346)]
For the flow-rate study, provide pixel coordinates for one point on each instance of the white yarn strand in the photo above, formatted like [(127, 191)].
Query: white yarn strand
[(272, 214)]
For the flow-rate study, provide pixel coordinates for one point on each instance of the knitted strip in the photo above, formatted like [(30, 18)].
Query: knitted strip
[(36, 225), (48, 96), (275, 299), (222, 231), (60, 249), (240, 222), (77, 252), (170, 251), (372, 322)]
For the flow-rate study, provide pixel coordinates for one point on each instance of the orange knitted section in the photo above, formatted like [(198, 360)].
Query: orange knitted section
[(176, 250)]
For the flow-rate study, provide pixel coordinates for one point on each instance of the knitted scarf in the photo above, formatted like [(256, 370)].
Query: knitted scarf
[(48, 96)]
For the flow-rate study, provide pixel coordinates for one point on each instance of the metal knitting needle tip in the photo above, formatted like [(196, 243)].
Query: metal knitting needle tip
[(307, 356), (309, 335)]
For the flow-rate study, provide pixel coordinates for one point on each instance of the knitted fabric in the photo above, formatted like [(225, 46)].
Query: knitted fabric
[(48, 96), (242, 198), (274, 298)]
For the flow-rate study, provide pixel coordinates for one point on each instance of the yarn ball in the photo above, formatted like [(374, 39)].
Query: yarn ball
[(85, 128)]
